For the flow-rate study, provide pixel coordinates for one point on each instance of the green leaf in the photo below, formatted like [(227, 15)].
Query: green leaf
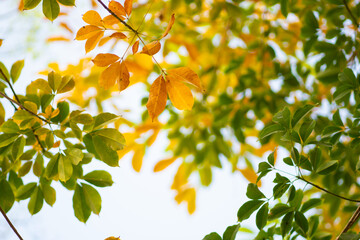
[(81, 209), (263, 166), (92, 198), (328, 131), (283, 117), (85, 119), (279, 210), (271, 158), (51, 10), (315, 158), (25, 168), (301, 221), (280, 189), (337, 119), (311, 203), (327, 167), (54, 78), (270, 130), (49, 194), (64, 112), (7, 197), (112, 138), (253, 192), (205, 175), (296, 201), (212, 236), (18, 148), (38, 165), (286, 223), (22, 115), (3, 72), (51, 170), (16, 70), (36, 201), (349, 236), (9, 127), (107, 155), (284, 7), (262, 216), (231, 232), (99, 178), (75, 155), (76, 130), (7, 138), (67, 84), (67, 2), (343, 91), (306, 129), (300, 114), (30, 4), (248, 208), (330, 75), (65, 168), (104, 119), (25, 191), (348, 77)]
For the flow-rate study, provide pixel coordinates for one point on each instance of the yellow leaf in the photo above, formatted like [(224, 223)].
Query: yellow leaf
[(137, 159), (57, 39), (105, 59), (109, 76), (161, 165), (104, 40), (157, 98), (110, 20), (250, 175), (118, 35), (93, 18), (1, 41), (112, 238), (188, 195), (55, 113), (87, 32), (135, 47), (128, 6), (179, 94), (151, 48), (124, 78), (117, 8), (168, 28), (93, 41), (187, 75)]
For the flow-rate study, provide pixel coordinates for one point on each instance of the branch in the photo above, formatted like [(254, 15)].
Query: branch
[(327, 191), (351, 222), (10, 224), (8, 82), (353, 18)]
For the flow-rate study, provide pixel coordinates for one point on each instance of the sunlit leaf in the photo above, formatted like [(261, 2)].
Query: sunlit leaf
[(128, 6), (110, 76), (124, 77), (168, 28), (93, 18), (51, 9), (87, 32), (105, 59), (151, 48), (157, 98), (135, 47), (179, 94), (117, 8)]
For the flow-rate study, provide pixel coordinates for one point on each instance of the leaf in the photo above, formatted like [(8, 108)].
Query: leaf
[(250, 175), (16, 70), (301, 221), (124, 77), (18, 148), (87, 32), (85, 119), (349, 236), (231, 232), (67, 2), (128, 6), (279, 210), (327, 167), (348, 77), (135, 47), (284, 7), (51, 9), (137, 159), (168, 28), (311, 203), (185, 74), (49, 194), (253, 192), (75, 155), (112, 138), (179, 94), (5, 72), (51, 170), (93, 41), (283, 117), (212, 236), (306, 129), (262, 216), (301, 113), (81, 209), (36, 201), (99, 178), (248, 208), (161, 165), (117, 8), (93, 18), (7, 197), (106, 154), (110, 75), (270, 130), (157, 98), (105, 59), (92, 198), (54, 80), (104, 119), (67, 84), (337, 119), (151, 48), (286, 223), (25, 191), (7, 138), (25, 168), (65, 168), (30, 4)]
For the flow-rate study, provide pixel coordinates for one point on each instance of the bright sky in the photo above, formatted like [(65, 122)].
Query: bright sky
[(139, 205)]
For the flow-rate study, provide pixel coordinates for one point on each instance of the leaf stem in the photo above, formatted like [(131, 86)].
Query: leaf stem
[(10, 224)]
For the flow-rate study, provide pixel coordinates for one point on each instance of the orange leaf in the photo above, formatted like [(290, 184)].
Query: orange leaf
[(135, 47), (179, 94), (187, 75), (93, 41), (104, 40), (93, 18), (110, 75), (168, 28), (87, 32), (161, 165), (110, 20), (151, 48), (1, 41), (157, 98), (105, 59), (137, 159), (118, 35), (250, 175), (55, 39), (128, 6), (64, 25), (117, 8), (124, 78), (112, 238)]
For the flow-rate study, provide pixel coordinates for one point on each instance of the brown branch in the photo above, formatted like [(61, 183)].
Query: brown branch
[(10, 224), (351, 222), (353, 18)]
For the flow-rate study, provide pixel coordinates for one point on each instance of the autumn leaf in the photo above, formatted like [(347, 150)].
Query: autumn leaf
[(137, 159), (168, 28), (135, 47), (161, 165), (185, 74), (112, 238), (87, 32), (118, 35), (128, 6), (151, 48), (93, 41), (1, 41), (157, 98), (105, 59), (109, 76), (117, 8), (250, 175), (124, 77), (179, 94), (93, 18), (110, 20)]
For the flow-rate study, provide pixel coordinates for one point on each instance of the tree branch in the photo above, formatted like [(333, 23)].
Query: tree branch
[(353, 18), (351, 222), (10, 224)]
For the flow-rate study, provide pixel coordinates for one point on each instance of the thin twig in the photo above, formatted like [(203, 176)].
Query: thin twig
[(8, 82), (10, 224), (353, 18), (351, 222), (327, 191)]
